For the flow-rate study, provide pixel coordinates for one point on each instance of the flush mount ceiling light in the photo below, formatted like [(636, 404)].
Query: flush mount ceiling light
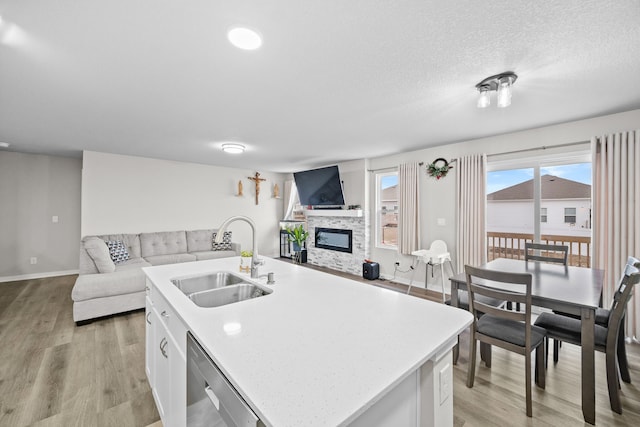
[(502, 84), (233, 148), (4, 145), (244, 38)]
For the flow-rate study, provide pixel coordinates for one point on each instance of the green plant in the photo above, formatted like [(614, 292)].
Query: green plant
[(297, 235), (246, 253)]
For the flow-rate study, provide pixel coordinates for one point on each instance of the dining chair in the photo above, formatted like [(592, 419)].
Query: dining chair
[(557, 254), (608, 338), (602, 318), (510, 330), (553, 253)]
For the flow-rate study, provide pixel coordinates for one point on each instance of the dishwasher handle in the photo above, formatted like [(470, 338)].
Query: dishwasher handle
[(212, 397)]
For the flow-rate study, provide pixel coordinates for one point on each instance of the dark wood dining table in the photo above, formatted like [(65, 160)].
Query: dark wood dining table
[(574, 290)]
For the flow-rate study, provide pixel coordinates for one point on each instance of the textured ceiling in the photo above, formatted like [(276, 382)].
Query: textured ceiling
[(335, 80)]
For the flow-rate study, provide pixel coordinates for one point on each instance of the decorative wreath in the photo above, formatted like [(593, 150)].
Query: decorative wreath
[(439, 168)]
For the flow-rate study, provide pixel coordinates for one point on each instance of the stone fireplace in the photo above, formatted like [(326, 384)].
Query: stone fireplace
[(336, 229)]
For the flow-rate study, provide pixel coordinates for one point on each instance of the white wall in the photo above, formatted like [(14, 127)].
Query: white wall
[(354, 177), (438, 196), (126, 194), (33, 189)]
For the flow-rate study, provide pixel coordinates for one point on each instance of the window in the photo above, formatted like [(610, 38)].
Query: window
[(387, 210), (527, 201), (543, 214)]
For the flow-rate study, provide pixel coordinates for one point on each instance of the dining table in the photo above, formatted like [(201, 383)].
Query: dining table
[(566, 289)]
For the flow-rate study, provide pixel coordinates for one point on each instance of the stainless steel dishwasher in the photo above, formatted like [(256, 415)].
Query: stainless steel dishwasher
[(211, 399)]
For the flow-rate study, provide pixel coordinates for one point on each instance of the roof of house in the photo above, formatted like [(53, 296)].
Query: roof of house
[(553, 187), (389, 193)]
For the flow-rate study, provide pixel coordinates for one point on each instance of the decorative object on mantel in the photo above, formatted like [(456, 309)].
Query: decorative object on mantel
[(439, 168), (257, 180), (245, 261), (276, 191), (239, 189)]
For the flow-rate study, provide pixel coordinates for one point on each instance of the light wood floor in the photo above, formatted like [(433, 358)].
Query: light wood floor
[(53, 373)]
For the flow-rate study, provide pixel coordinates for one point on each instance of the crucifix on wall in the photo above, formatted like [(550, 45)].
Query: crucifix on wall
[(257, 180)]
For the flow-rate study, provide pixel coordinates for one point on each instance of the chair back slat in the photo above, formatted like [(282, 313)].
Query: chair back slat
[(630, 278), (561, 250)]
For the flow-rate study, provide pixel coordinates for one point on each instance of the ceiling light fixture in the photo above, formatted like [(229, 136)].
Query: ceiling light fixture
[(4, 145), (244, 38), (233, 148), (501, 83)]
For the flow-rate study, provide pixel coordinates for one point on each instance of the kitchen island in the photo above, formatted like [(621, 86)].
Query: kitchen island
[(320, 350)]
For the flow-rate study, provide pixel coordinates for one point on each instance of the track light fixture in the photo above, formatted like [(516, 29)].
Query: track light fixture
[(501, 83)]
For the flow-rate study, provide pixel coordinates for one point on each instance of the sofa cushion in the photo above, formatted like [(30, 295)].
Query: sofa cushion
[(132, 263), (199, 240), (118, 251), (202, 255), (170, 259), (131, 241), (225, 245), (89, 286), (99, 253), (163, 243)]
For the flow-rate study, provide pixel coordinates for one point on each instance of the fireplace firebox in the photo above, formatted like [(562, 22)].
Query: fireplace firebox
[(334, 239)]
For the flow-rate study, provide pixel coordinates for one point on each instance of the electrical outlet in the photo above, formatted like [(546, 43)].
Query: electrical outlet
[(54, 219), (33, 260), (445, 383)]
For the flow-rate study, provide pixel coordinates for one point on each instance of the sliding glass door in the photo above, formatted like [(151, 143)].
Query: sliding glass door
[(548, 201)]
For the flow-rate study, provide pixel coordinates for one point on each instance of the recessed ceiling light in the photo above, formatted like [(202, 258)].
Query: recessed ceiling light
[(233, 148), (4, 145), (244, 38)]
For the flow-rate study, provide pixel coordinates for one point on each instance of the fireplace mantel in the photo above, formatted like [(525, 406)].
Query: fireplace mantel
[(355, 213)]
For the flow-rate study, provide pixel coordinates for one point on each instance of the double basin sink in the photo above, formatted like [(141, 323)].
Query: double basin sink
[(219, 288)]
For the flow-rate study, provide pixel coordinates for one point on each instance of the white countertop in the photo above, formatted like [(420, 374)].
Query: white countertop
[(320, 349)]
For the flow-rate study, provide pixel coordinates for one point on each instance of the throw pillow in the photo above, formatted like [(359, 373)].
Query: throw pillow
[(225, 245), (118, 251), (99, 253)]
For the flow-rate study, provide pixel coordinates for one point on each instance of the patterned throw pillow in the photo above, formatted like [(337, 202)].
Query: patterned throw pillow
[(118, 251), (225, 245)]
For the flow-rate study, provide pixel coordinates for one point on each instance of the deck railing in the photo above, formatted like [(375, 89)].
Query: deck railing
[(511, 245)]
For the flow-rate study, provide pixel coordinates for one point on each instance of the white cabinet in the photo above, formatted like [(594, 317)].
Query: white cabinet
[(165, 359)]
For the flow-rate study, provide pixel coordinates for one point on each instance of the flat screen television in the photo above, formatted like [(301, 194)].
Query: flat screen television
[(319, 187)]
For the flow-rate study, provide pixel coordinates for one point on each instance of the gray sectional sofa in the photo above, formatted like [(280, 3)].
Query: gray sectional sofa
[(105, 287)]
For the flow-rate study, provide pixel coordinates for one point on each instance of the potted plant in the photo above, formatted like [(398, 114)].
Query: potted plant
[(245, 261), (297, 236)]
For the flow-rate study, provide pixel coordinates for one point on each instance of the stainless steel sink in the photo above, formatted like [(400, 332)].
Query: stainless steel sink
[(228, 295), (219, 279), (219, 288)]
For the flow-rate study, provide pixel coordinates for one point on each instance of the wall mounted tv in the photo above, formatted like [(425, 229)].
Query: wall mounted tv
[(319, 187)]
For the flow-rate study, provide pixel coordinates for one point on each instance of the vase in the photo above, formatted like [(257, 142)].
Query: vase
[(245, 264)]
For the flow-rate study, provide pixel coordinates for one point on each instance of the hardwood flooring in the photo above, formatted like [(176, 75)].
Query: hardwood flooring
[(54, 373)]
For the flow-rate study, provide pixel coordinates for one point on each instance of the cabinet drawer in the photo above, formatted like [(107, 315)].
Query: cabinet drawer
[(170, 320)]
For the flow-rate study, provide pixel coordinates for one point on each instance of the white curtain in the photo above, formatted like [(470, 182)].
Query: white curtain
[(470, 198), (409, 208), (616, 213), (290, 198)]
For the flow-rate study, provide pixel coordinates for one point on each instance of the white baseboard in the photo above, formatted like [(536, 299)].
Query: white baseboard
[(37, 275)]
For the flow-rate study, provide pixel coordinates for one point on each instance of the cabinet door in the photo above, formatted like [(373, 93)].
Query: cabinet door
[(162, 378), (178, 368), (149, 341)]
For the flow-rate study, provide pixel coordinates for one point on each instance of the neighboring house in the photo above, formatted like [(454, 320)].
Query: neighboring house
[(389, 214), (565, 208)]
